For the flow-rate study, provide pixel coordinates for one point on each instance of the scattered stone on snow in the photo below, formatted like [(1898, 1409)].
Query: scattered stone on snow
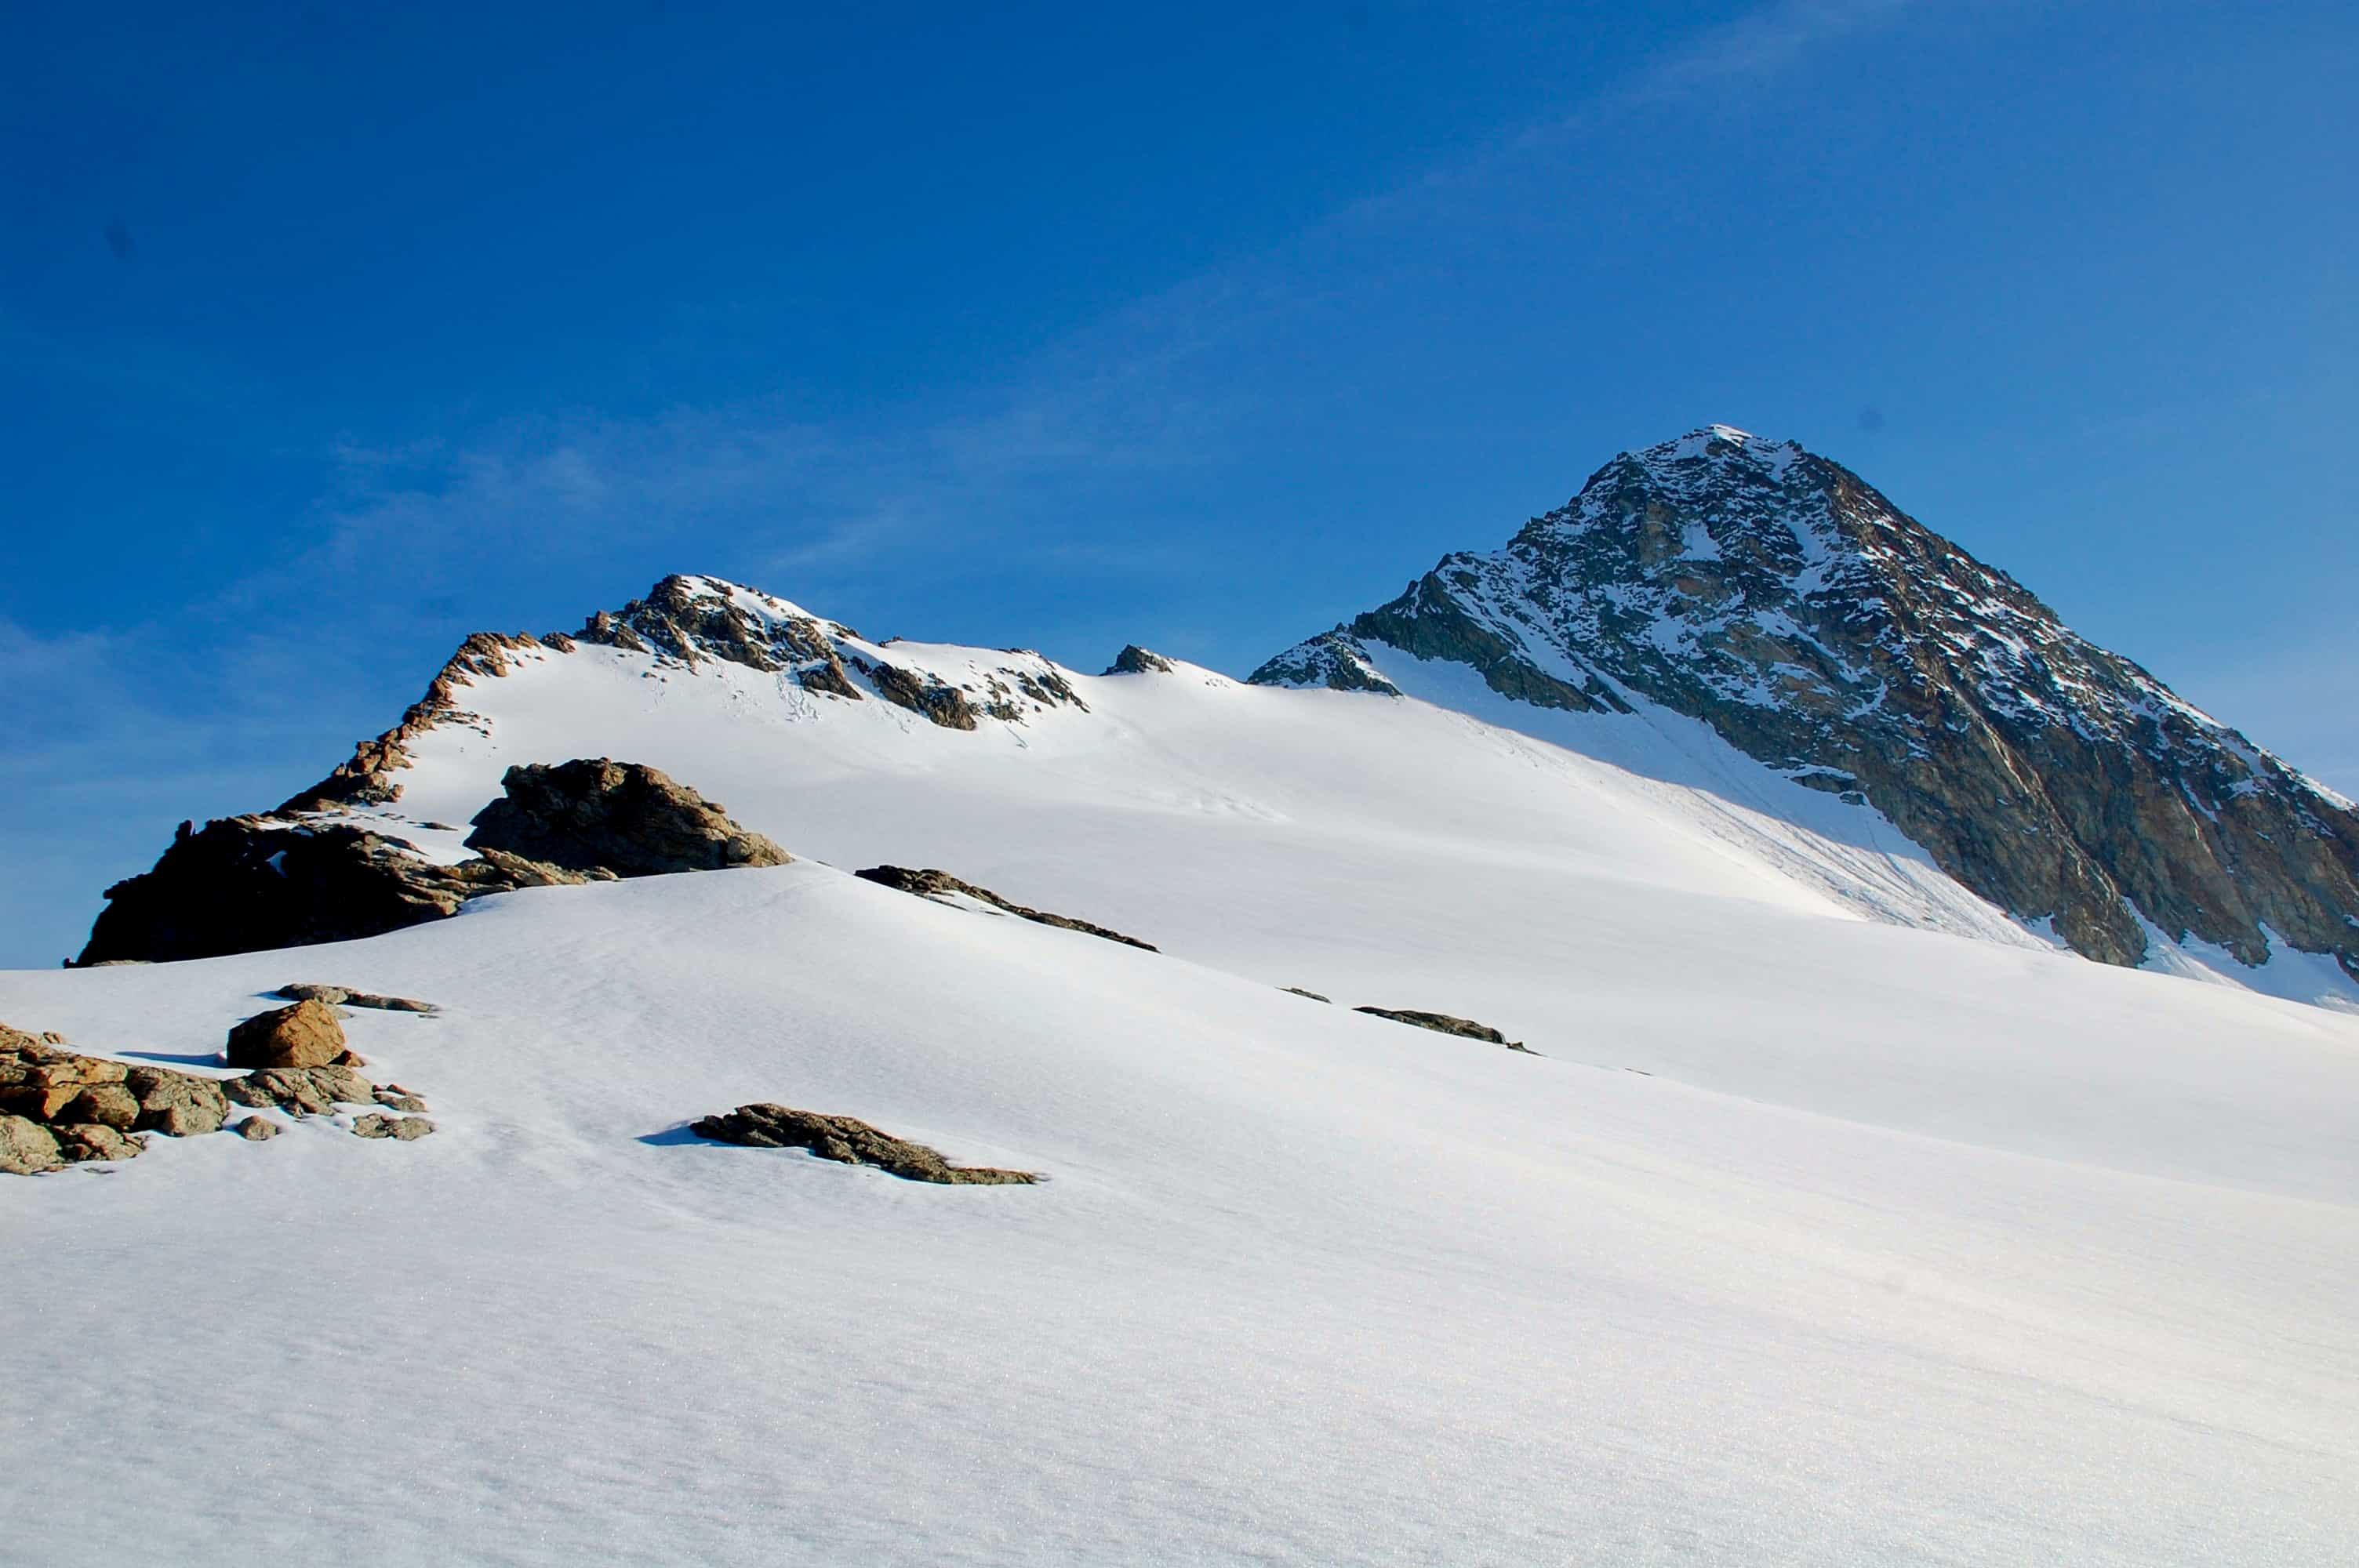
[(1314, 996), (849, 1141), (302, 1091), (340, 996), (377, 1124), (1444, 1023), (58, 1108), (940, 885)]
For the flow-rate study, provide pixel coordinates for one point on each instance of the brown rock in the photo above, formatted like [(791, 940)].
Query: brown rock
[(40, 1102), (81, 1141), (304, 1035), (255, 1128), (624, 818), (27, 1147), (848, 1141), (108, 1105)]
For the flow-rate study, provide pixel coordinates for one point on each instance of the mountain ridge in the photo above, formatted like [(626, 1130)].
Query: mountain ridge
[(1778, 597)]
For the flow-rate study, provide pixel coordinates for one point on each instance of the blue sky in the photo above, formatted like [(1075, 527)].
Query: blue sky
[(328, 337)]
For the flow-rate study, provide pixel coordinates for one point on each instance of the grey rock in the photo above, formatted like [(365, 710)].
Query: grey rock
[(340, 996), (378, 1125), (83, 1142), (179, 1105), (849, 1141), (1298, 990), (931, 883), (394, 1099), (301, 1091)]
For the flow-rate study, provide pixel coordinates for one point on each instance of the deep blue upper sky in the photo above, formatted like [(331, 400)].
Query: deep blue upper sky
[(330, 335)]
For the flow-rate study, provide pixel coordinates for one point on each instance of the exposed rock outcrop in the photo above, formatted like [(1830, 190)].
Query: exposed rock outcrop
[(689, 620), (1778, 597), (244, 885), (593, 814), (58, 1107), (1444, 1023), (943, 704), (1298, 990), (366, 778), (942, 885), (1135, 660), (849, 1141)]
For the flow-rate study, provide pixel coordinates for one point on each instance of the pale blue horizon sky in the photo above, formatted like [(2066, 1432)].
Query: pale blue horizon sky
[(329, 339)]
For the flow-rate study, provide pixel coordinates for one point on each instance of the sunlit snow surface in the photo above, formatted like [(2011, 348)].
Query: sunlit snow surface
[(1840, 1220)]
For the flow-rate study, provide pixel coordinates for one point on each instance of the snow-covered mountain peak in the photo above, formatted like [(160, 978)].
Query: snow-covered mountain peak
[(1781, 599)]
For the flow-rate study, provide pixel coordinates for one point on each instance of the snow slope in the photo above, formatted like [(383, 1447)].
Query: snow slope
[(1839, 1221), (1304, 1286)]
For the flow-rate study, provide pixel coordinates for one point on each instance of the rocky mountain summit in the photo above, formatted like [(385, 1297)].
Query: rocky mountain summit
[(1779, 598)]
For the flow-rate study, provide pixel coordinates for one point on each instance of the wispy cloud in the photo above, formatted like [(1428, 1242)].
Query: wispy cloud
[(1758, 45)]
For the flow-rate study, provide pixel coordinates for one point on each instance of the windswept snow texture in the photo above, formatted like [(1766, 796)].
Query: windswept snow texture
[(1302, 1286), (1842, 1220)]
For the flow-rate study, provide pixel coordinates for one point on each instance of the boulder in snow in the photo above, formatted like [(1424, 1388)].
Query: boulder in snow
[(848, 1141)]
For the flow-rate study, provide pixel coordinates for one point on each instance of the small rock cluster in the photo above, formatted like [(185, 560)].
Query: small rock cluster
[(341, 996), (1444, 1023), (939, 885), (848, 1141), (60, 1108)]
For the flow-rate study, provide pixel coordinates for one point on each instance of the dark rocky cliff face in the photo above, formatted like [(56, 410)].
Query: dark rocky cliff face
[(1776, 596)]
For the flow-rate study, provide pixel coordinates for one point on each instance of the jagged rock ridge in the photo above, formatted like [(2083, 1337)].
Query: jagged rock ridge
[(685, 621), (1778, 597), (691, 619)]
